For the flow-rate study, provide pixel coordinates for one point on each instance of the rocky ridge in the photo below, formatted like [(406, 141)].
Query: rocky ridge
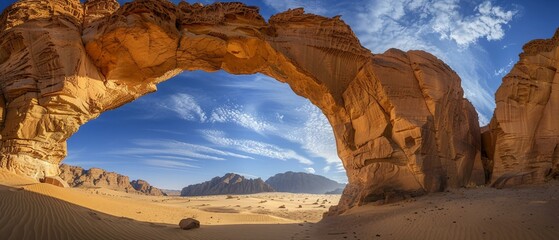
[(230, 183), (96, 177), (145, 188), (299, 182)]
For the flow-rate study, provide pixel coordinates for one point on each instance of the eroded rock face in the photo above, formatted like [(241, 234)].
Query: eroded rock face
[(95, 177), (145, 188), (522, 140), (400, 120)]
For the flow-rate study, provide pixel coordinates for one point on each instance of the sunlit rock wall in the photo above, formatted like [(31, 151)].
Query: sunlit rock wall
[(522, 140), (401, 124)]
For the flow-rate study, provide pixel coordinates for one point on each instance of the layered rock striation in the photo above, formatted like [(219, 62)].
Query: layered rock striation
[(399, 118), (522, 141), (300, 182), (96, 177), (230, 183)]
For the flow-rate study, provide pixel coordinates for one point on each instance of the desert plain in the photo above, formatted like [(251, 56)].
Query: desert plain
[(32, 210)]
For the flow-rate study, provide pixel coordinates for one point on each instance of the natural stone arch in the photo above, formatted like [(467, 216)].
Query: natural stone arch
[(400, 121)]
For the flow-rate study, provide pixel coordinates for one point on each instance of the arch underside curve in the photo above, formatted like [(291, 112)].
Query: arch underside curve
[(401, 124)]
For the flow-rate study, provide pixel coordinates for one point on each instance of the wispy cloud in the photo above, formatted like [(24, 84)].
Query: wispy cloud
[(185, 106), (172, 150), (295, 118), (326, 169), (315, 135), (263, 88), (423, 17), (310, 170), (313, 6), (235, 114), (254, 147), (185, 153), (508, 45), (486, 23), (173, 144), (168, 164), (438, 27), (502, 71)]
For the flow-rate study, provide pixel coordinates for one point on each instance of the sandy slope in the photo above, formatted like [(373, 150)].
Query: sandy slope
[(30, 210), (482, 213)]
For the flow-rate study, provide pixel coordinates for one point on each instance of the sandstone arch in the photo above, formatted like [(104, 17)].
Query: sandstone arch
[(400, 120)]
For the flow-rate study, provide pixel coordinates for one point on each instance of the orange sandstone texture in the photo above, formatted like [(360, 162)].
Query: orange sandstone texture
[(401, 124), (522, 140), (95, 177)]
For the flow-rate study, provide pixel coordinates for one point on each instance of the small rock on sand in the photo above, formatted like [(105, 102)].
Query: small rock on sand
[(189, 223)]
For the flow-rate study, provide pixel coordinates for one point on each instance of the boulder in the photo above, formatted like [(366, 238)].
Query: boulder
[(189, 223)]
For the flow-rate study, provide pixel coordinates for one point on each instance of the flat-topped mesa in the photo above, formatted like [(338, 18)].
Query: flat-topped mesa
[(522, 142), (401, 124)]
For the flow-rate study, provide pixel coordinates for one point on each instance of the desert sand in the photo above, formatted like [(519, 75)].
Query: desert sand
[(33, 210)]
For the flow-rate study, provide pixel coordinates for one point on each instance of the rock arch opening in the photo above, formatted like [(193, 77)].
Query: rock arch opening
[(61, 68), (200, 125)]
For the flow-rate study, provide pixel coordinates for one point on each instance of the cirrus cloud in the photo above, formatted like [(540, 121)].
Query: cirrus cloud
[(254, 147)]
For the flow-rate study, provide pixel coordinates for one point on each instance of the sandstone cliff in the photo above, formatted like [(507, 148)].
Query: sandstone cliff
[(231, 183), (299, 182), (399, 118), (522, 140), (145, 188), (96, 177)]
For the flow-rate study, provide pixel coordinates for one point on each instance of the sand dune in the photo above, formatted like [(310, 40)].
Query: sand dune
[(31, 210)]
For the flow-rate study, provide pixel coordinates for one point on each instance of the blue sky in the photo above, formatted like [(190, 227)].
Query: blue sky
[(200, 125)]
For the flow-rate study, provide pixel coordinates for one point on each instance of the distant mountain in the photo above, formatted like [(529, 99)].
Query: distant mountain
[(299, 182), (231, 183), (171, 192), (95, 177)]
